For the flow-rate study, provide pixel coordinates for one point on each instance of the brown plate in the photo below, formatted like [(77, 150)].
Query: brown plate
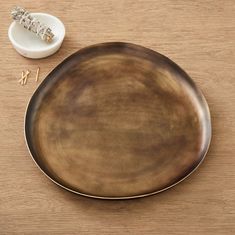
[(117, 120)]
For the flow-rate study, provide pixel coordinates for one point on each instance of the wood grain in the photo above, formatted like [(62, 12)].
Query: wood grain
[(199, 36)]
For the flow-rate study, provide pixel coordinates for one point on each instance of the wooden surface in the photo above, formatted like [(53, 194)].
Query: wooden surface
[(199, 36)]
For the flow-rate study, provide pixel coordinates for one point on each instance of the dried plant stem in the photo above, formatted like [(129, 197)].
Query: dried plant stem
[(37, 74), (24, 77)]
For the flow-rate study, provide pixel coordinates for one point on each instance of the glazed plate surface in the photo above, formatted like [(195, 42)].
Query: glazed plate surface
[(117, 120)]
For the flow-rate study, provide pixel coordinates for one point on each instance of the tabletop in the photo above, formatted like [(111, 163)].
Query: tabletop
[(197, 35)]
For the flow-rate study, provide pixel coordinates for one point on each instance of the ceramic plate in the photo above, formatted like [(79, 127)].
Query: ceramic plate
[(117, 120)]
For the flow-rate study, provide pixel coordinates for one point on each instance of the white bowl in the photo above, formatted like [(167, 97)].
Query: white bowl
[(29, 45)]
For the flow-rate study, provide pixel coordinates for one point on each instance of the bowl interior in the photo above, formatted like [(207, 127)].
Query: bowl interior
[(29, 41)]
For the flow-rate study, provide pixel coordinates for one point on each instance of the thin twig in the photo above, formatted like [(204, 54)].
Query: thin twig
[(22, 77), (37, 75), (26, 77)]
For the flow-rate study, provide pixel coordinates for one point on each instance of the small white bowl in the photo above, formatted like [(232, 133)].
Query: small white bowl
[(29, 45)]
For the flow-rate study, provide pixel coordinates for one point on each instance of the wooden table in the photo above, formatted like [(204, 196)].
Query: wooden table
[(200, 37)]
